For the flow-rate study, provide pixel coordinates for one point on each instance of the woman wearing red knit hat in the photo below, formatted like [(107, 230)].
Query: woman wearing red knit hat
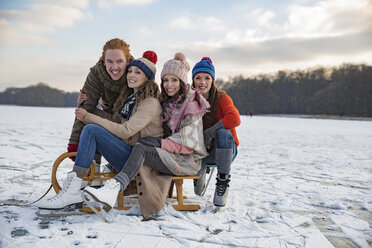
[(219, 125), (137, 113)]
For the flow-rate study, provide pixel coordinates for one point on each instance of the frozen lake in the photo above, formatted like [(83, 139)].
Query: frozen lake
[(296, 182)]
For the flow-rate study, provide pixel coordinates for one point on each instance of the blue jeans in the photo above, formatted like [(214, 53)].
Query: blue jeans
[(95, 139), (224, 140)]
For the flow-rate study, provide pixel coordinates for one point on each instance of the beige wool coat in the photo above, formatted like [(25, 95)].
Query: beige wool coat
[(144, 121), (152, 187)]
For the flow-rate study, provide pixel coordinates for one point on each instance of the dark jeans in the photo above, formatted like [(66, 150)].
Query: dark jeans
[(95, 139), (224, 140)]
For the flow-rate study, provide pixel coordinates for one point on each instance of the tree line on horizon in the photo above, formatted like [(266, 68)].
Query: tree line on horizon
[(38, 95), (345, 91)]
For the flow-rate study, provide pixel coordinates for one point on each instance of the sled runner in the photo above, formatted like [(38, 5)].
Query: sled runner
[(131, 189)]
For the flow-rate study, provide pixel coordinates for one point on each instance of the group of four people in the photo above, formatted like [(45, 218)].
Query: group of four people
[(175, 131)]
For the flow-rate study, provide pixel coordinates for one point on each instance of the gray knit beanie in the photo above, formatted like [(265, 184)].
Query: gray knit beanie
[(177, 66)]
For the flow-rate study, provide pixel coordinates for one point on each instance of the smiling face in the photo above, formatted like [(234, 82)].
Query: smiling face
[(203, 82), (115, 63), (171, 84), (135, 77)]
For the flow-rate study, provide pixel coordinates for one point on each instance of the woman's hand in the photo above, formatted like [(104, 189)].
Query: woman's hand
[(81, 98), (80, 114)]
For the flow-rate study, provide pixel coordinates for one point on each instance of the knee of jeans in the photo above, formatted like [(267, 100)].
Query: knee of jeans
[(88, 128), (224, 138), (138, 148)]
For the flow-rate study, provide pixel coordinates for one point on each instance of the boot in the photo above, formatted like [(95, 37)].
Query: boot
[(106, 195), (222, 190), (199, 184), (69, 195), (223, 162)]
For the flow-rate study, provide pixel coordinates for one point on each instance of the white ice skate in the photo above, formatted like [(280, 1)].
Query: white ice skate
[(68, 196), (106, 195)]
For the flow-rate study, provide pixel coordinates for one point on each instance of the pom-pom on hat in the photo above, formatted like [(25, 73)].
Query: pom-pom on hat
[(204, 65), (146, 63), (177, 66)]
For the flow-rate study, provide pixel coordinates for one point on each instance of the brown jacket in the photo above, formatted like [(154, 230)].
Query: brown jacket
[(144, 121), (98, 87)]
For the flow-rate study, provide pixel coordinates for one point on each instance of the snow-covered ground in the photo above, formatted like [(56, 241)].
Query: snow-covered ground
[(295, 183)]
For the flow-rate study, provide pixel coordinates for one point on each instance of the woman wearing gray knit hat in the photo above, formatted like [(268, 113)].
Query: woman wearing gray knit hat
[(137, 113)]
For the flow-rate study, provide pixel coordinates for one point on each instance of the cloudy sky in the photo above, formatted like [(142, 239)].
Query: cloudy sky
[(57, 41)]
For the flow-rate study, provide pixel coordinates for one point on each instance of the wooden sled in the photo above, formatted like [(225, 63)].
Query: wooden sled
[(131, 189)]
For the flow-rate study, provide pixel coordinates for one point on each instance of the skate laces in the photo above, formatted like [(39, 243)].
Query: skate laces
[(221, 186), (111, 184), (65, 185)]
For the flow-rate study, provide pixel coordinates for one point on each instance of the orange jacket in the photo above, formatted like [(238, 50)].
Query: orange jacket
[(229, 115)]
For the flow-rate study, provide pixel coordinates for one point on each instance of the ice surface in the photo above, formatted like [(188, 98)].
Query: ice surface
[(296, 182)]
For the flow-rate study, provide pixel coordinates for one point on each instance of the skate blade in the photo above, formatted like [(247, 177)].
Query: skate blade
[(88, 202), (105, 207), (70, 207), (216, 209)]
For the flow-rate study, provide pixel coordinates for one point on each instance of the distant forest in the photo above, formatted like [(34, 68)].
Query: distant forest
[(38, 95), (345, 91)]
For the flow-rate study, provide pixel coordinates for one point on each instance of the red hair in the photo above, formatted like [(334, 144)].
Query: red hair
[(117, 43)]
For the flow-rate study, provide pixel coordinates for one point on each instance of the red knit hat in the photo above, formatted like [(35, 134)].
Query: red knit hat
[(146, 63)]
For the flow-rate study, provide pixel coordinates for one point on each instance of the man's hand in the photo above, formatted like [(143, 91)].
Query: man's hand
[(81, 98)]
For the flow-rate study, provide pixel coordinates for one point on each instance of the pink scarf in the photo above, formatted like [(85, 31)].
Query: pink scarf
[(194, 105)]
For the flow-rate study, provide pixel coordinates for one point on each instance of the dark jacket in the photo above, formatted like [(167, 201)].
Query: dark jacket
[(99, 87)]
